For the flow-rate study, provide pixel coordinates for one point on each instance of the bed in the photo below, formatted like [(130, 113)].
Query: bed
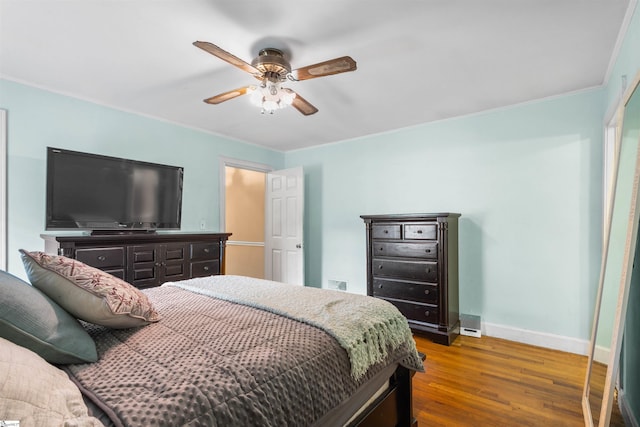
[(230, 350)]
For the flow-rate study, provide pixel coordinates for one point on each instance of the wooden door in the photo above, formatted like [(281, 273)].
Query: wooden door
[(284, 213)]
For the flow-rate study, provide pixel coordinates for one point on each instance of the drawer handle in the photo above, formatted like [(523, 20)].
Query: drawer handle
[(379, 267), (426, 291), (429, 270), (419, 231), (101, 257), (379, 286), (206, 268), (382, 249), (386, 231), (206, 250), (427, 313), (428, 251)]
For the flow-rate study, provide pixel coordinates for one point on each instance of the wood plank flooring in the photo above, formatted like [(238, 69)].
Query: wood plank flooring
[(493, 382)]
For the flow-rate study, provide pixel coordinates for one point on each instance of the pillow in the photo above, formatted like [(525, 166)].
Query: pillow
[(37, 393), (30, 319), (88, 293)]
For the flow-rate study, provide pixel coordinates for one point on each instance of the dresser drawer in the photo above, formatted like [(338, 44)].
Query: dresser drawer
[(102, 258), (419, 292), (421, 231), (144, 272), (118, 272), (407, 250), (175, 252), (385, 231), (175, 271), (424, 271), (143, 253), (418, 312), (205, 268), (204, 251)]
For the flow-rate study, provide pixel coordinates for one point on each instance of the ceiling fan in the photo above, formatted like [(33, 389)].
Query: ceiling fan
[(271, 68)]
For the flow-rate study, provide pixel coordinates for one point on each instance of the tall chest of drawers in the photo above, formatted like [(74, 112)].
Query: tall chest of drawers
[(412, 262)]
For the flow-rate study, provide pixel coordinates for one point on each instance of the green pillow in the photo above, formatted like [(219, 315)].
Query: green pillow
[(32, 320)]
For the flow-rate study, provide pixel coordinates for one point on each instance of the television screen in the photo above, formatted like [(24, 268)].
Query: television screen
[(94, 192)]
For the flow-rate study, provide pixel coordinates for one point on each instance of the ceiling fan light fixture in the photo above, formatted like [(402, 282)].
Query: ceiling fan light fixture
[(272, 68), (271, 96)]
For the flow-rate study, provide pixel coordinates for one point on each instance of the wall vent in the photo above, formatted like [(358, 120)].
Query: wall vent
[(338, 285)]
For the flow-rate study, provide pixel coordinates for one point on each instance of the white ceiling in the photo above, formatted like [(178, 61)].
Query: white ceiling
[(418, 60)]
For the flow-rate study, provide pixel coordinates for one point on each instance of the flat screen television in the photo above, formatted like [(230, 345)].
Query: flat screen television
[(111, 195)]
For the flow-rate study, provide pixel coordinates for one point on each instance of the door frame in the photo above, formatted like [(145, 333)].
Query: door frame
[(240, 164)]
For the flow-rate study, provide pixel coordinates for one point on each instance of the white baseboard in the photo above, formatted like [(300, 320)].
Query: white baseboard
[(627, 415), (540, 339), (601, 354)]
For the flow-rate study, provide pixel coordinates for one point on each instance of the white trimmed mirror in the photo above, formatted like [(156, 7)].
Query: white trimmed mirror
[(621, 232)]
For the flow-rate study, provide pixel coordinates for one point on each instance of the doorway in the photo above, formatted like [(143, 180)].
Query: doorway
[(264, 211), (244, 196)]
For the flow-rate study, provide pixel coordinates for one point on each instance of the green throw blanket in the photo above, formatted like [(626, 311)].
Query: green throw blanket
[(365, 327)]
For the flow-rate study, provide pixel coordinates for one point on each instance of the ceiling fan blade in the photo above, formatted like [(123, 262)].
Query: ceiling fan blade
[(227, 95), (326, 68), (226, 56), (302, 105)]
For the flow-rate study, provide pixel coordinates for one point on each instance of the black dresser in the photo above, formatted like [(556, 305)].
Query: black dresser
[(145, 260), (412, 262)]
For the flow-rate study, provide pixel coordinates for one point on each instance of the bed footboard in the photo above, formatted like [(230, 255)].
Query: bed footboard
[(394, 408)]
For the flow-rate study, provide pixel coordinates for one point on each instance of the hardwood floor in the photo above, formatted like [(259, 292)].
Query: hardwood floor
[(493, 382)]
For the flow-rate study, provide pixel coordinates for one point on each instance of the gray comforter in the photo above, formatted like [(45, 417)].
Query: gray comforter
[(217, 363)]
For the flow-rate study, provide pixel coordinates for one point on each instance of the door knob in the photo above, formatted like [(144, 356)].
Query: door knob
[(299, 246)]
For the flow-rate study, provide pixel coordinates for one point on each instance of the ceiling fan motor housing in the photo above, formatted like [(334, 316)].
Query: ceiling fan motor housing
[(272, 63)]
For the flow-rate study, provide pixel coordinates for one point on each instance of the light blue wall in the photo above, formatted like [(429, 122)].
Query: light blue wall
[(527, 181), (37, 119)]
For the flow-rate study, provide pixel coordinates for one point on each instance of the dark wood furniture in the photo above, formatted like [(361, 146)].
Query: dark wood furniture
[(146, 259), (394, 407), (412, 262)]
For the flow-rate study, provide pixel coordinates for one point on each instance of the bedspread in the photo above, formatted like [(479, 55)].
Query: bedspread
[(214, 362), (367, 328)]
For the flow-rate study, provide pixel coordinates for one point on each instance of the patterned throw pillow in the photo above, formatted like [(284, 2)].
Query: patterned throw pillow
[(88, 293)]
